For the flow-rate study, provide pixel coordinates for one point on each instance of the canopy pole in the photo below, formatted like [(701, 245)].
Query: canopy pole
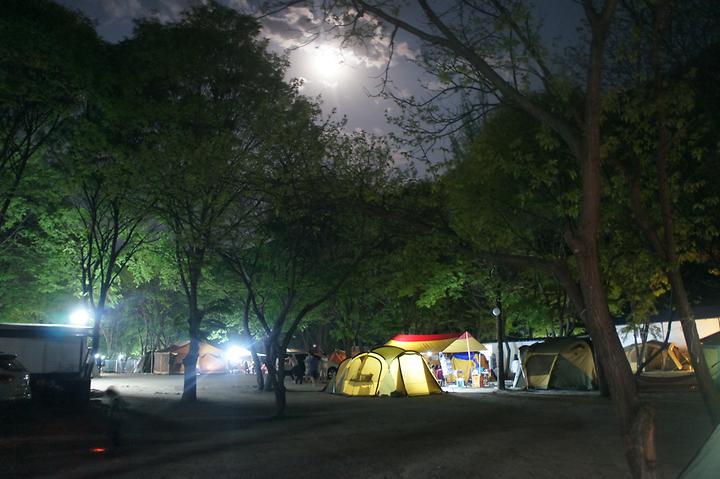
[(467, 343)]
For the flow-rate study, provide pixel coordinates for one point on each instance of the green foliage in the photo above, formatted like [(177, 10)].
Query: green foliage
[(47, 60)]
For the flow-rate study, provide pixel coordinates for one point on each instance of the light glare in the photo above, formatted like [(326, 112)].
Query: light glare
[(79, 317), (235, 353)]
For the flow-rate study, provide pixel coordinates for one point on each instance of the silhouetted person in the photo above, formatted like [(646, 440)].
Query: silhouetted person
[(313, 367), (116, 407), (299, 371)]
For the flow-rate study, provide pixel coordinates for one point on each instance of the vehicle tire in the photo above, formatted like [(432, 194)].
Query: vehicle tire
[(331, 372)]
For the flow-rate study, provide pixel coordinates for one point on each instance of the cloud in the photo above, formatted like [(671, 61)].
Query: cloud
[(404, 50), (297, 26), (239, 5), (332, 84), (122, 8), (290, 28)]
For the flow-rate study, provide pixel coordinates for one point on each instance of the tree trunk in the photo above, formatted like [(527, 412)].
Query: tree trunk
[(270, 365), (280, 399), (278, 375), (97, 319), (190, 378), (258, 370), (637, 420), (190, 362), (251, 341)]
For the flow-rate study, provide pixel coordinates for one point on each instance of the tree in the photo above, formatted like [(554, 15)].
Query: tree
[(312, 232), (478, 45), (199, 90), (110, 232), (47, 66), (659, 114)]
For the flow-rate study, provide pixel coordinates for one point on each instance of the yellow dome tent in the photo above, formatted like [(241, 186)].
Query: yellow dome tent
[(385, 371)]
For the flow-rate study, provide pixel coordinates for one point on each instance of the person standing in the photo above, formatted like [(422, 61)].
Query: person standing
[(313, 367), (298, 370)]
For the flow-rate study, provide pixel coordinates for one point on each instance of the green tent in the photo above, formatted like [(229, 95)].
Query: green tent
[(560, 363), (706, 464), (711, 349)]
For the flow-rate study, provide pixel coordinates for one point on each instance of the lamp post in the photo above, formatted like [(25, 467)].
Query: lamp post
[(497, 312)]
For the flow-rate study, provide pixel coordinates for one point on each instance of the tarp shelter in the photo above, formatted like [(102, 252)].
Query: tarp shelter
[(385, 371), (711, 350), (211, 359), (464, 343), (706, 464), (465, 351), (423, 343), (560, 363), (661, 359)]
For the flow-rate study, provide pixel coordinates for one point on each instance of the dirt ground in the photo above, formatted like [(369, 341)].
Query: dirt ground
[(230, 433)]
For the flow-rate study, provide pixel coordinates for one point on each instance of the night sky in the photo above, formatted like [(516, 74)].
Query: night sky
[(345, 79)]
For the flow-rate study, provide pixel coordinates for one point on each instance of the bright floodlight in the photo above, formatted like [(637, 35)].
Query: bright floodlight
[(235, 353), (79, 317)]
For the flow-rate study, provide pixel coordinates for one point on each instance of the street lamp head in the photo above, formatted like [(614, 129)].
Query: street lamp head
[(496, 312)]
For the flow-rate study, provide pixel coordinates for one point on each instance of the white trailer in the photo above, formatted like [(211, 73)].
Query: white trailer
[(55, 355)]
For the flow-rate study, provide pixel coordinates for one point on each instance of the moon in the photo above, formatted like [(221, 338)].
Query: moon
[(326, 62)]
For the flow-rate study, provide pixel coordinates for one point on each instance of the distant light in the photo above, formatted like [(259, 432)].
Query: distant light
[(102, 357), (496, 312), (97, 356), (120, 356), (79, 317), (429, 353), (235, 353), (98, 450)]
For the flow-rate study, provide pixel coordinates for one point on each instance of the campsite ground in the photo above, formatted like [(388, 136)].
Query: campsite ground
[(229, 433)]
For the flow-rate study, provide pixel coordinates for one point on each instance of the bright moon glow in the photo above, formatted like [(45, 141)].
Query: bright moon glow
[(79, 317), (326, 61)]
